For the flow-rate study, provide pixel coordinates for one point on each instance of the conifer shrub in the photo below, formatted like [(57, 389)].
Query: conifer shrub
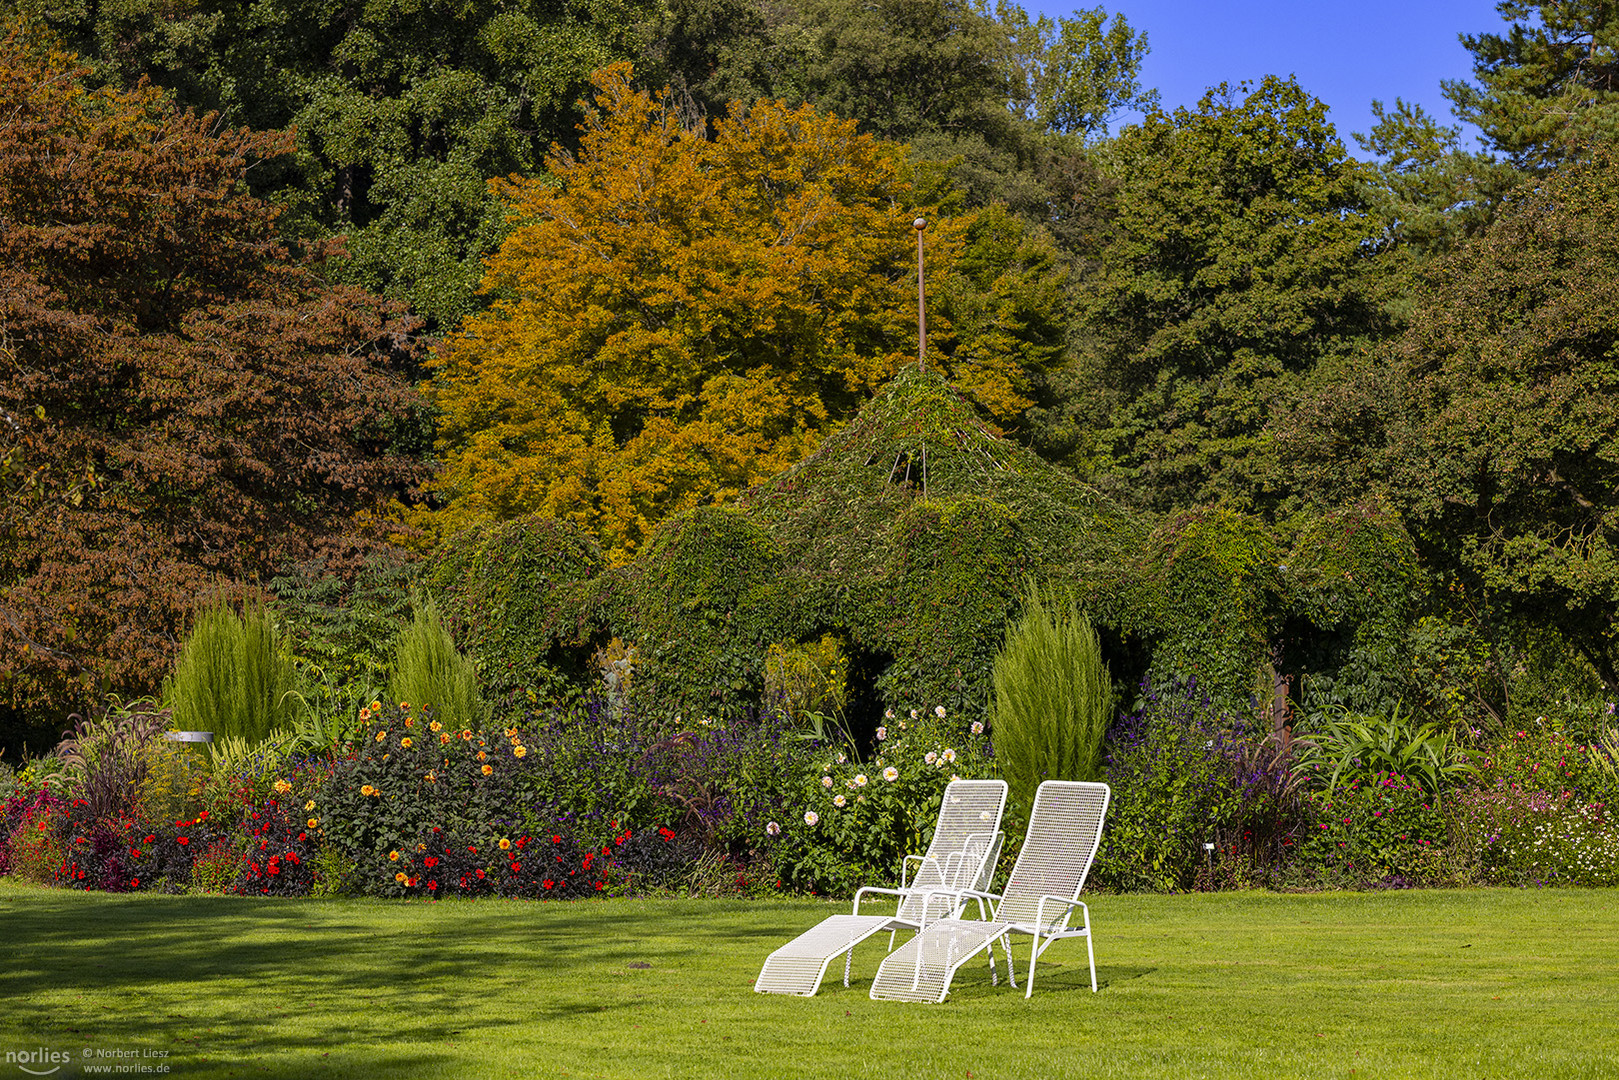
[(233, 676), (1053, 697), (429, 671)]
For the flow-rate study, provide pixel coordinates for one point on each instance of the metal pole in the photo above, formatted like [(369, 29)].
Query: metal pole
[(921, 300)]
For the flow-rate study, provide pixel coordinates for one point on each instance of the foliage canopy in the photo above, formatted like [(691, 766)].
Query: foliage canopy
[(183, 400), (677, 318), (1233, 265)]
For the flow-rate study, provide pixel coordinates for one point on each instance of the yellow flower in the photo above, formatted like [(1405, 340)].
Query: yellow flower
[(409, 720), (282, 787), (511, 732), (406, 743), (505, 843), (466, 734), (366, 789), (375, 705), (393, 856), (482, 756), (430, 777), (421, 847), (381, 735), (404, 704), (365, 714), (400, 877), (435, 726), (444, 737), (313, 822), (310, 805), (520, 751), (487, 769)]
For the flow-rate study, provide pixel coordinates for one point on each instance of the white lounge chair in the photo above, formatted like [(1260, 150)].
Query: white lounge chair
[(960, 858), (1041, 896)]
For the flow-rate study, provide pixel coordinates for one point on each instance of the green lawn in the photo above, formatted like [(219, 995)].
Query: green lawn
[(1431, 984)]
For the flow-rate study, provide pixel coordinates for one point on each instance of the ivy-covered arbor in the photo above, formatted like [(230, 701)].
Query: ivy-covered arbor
[(909, 535)]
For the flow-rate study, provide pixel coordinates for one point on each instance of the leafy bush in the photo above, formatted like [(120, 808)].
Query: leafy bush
[(218, 867), (1185, 775), (233, 677), (429, 671), (418, 787), (1388, 831), (341, 627), (1053, 699), (1542, 756), (1527, 837), (280, 856), (32, 835), (1350, 749), (1603, 757), (175, 775), (1170, 769), (848, 823), (803, 677)]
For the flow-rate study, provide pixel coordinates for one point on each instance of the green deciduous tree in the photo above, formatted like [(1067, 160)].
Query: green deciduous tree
[(184, 402), (1510, 454), (1091, 72), (958, 81), (1491, 422), (1234, 262), (402, 110)]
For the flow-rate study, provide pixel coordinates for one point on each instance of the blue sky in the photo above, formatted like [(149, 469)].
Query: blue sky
[(1345, 54)]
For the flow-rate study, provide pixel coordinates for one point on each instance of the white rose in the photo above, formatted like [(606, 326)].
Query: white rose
[(882, 733), (938, 711), (826, 781), (838, 800), (978, 727), (949, 754), (860, 780), (811, 817), (930, 757), (773, 829), (891, 774)]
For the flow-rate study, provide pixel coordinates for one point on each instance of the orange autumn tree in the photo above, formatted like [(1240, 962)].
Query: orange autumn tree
[(678, 317)]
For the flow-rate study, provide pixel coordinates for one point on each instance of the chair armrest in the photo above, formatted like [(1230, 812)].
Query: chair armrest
[(898, 894), (905, 865), (960, 897), (1066, 904)]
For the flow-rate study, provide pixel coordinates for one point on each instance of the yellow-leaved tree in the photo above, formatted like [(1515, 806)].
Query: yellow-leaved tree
[(678, 317)]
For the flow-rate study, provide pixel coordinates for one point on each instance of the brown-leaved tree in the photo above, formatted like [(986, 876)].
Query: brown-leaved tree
[(185, 404)]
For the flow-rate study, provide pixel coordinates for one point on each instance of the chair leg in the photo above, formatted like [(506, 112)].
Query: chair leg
[(848, 959), (1011, 974), (1034, 954), (1092, 953)]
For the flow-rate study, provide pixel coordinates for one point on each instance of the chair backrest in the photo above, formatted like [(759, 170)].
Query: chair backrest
[(1065, 828), (966, 837)]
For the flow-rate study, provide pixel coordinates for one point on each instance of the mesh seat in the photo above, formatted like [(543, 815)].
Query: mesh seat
[(961, 858), (1065, 828)]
